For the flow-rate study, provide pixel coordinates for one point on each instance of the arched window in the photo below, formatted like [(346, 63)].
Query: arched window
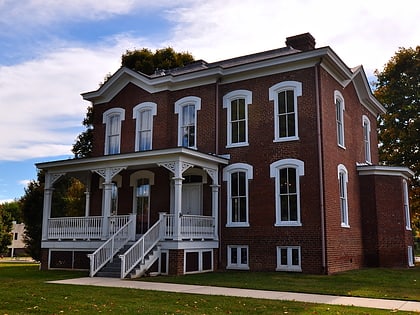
[(339, 114), (342, 185), (187, 108), (143, 114), (237, 103), (284, 95), (366, 138), (112, 119), (287, 173), (237, 176)]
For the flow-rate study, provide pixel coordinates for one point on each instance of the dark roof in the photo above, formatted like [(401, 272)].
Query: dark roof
[(228, 63)]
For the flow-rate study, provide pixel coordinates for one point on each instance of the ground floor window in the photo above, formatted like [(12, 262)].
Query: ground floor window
[(237, 257), (410, 253), (288, 258), (198, 261), (68, 259)]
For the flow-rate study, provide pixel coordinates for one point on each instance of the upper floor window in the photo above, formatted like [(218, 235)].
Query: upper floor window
[(143, 114), (406, 206), (285, 95), (237, 177), (366, 138), (237, 103), (342, 185), (187, 108), (287, 174), (339, 117), (112, 119)]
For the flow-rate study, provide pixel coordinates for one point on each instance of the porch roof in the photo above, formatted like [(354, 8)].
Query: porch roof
[(134, 160)]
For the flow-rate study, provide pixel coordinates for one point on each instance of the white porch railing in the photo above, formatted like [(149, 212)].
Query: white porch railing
[(192, 227), (138, 251), (110, 248), (84, 228)]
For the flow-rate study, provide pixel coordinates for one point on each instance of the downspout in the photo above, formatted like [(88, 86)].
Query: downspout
[(216, 151), (320, 166)]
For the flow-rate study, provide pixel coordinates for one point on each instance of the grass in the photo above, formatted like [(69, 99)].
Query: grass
[(23, 290), (401, 284)]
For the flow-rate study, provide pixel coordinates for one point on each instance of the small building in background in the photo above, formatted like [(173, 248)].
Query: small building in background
[(17, 248)]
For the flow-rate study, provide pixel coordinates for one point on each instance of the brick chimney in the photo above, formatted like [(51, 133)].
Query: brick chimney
[(303, 42)]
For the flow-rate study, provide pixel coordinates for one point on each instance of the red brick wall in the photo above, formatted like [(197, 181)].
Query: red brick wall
[(176, 262)]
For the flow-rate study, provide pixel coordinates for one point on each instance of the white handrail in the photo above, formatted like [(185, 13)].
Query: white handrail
[(139, 250), (107, 250)]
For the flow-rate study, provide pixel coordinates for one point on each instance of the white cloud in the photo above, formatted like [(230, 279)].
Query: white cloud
[(361, 32), (42, 109)]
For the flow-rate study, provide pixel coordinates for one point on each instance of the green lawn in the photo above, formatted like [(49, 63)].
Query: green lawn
[(401, 284), (23, 290)]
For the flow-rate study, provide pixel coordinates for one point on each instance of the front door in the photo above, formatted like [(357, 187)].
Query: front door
[(192, 199)]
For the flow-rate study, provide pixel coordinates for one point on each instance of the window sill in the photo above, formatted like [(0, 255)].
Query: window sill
[(237, 225), (341, 146), (343, 225), (408, 228), (237, 145), (286, 139), (277, 224)]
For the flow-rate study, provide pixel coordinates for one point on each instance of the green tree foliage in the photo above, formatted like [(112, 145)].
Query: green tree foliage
[(398, 89), (83, 145), (5, 229), (147, 62), (32, 204)]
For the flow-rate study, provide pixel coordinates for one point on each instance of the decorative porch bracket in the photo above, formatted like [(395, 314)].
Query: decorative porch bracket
[(50, 179), (107, 174)]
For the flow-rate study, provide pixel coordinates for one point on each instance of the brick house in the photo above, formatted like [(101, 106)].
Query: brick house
[(263, 162)]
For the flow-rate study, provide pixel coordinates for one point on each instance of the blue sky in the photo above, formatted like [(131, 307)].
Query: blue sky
[(51, 51)]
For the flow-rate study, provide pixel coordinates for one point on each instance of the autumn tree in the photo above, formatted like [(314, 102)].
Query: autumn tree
[(398, 89)]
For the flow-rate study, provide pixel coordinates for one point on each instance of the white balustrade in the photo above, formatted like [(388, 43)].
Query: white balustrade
[(192, 227), (84, 228)]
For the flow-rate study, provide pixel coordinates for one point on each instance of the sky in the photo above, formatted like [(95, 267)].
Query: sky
[(51, 51)]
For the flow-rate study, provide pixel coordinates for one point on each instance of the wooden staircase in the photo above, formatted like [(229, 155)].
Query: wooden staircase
[(113, 268)]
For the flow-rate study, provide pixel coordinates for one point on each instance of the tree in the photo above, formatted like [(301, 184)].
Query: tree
[(147, 62), (32, 204), (398, 89), (14, 208), (5, 229), (83, 146), (143, 60)]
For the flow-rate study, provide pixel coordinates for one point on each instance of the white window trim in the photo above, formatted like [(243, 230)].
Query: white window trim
[(406, 206), (227, 102), (136, 115), (410, 256), (289, 266), (339, 96), (274, 173), (105, 120), (366, 142), (179, 104), (273, 92), (237, 266), (344, 220), (227, 171)]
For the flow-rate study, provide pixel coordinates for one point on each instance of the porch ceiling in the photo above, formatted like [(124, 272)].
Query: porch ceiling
[(135, 160)]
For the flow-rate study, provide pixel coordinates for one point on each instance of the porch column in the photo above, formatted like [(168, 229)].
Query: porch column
[(107, 174), (215, 208), (177, 168), (177, 207), (215, 187), (50, 179), (87, 205)]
